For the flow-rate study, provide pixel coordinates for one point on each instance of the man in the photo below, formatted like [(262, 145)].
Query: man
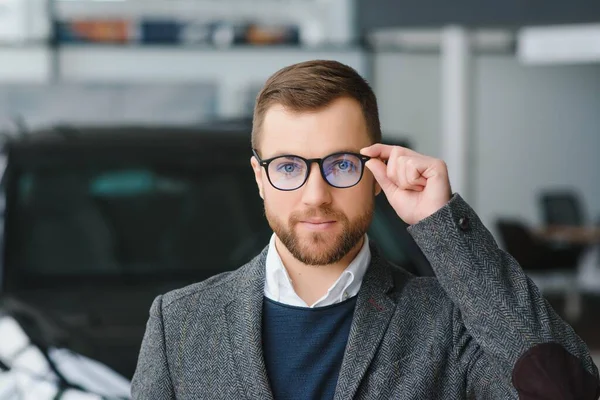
[(320, 315)]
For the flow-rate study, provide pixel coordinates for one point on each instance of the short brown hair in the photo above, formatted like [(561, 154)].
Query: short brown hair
[(312, 85)]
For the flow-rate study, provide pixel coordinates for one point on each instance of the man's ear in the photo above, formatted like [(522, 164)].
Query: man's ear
[(258, 176)]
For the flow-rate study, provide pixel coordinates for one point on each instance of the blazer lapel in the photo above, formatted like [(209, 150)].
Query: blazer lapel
[(374, 309), (244, 320)]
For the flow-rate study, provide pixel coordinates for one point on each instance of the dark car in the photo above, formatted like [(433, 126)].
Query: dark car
[(99, 221)]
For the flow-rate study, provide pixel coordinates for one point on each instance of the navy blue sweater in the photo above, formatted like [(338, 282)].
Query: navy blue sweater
[(304, 348)]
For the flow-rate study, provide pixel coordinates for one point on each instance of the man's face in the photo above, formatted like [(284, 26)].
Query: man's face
[(318, 223)]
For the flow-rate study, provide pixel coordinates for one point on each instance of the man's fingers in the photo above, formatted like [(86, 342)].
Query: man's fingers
[(408, 175), (414, 178), (377, 150), (413, 169), (384, 151), (379, 171)]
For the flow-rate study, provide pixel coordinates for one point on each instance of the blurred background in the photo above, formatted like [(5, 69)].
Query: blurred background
[(125, 143)]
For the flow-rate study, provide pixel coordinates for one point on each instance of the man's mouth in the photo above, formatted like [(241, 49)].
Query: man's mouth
[(317, 224), (318, 221)]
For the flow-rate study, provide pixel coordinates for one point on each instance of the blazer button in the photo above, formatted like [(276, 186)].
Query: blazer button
[(463, 223)]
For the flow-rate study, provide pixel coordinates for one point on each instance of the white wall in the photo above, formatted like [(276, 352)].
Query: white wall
[(235, 71), (535, 127), (532, 127), (43, 105), (408, 88)]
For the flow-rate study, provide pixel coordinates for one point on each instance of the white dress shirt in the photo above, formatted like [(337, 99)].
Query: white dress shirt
[(279, 288)]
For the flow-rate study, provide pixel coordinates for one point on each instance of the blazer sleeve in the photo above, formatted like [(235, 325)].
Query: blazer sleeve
[(152, 379), (506, 333)]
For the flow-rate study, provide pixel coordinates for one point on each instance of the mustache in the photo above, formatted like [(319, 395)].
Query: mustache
[(317, 212)]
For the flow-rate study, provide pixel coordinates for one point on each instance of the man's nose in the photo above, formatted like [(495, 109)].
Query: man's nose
[(316, 191)]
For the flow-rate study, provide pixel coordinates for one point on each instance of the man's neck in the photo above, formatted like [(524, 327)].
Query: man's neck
[(311, 282)]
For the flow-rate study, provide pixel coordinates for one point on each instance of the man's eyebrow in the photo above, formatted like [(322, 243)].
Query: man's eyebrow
[(283, 153), (347, 150)]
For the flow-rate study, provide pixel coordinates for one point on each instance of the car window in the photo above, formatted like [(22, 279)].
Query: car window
[(139, 221)]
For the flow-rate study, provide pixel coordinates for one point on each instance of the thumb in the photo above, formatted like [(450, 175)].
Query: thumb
[(379, 171)]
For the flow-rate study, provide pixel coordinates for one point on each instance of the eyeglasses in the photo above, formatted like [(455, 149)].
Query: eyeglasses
[(290, 172)]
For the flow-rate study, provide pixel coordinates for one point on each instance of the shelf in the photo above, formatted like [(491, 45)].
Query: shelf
[(65, 9), (30, 64), (319, 20)]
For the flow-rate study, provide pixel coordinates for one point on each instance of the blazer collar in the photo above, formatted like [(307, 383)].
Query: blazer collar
[(372, 315), (244, 319)]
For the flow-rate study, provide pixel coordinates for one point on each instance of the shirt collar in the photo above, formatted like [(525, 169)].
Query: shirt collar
[(278, 285)]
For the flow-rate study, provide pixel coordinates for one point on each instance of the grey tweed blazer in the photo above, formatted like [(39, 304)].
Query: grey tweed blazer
[(479, 330)]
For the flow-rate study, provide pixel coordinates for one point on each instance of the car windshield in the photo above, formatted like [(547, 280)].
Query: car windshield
[(143, 220)]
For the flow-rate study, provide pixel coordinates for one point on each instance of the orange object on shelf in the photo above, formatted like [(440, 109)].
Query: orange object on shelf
[(111, 31), (265, 34)]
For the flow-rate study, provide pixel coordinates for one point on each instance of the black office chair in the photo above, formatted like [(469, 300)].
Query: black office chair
[(562, 207)]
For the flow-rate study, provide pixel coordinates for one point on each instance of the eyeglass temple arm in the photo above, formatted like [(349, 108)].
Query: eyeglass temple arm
[(255, 153)]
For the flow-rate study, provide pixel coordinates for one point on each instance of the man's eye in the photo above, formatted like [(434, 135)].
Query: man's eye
[(345, 165), (288, 168)]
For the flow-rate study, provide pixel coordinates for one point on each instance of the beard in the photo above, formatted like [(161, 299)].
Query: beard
[(321, 248)]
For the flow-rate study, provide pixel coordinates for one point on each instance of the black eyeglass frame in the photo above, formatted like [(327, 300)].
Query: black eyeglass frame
[(309, 162)]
